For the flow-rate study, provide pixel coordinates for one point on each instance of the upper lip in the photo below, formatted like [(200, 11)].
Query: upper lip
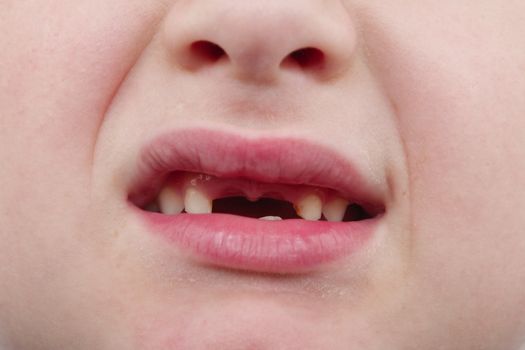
[(264, 159)]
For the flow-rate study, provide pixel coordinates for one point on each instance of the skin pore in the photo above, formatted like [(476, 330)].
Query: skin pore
[(427, 96)]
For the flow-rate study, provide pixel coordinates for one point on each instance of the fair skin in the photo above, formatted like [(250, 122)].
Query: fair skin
[(427, 95)]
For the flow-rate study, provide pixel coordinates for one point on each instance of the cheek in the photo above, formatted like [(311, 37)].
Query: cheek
[(462, 120), (468, 234), (458, 91), (60, 65), (64, 63), (459, 98)]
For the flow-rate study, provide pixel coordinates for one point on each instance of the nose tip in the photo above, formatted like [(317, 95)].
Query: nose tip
[(261, 40)]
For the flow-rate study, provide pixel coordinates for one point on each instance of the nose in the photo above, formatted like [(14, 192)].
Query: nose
[(261, 40)]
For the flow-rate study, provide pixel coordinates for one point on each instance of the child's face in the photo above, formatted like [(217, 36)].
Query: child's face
[(424, 99)]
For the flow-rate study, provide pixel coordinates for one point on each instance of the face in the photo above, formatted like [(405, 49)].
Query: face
[(415, 111)]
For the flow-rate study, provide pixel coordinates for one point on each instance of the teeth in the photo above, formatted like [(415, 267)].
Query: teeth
[(309, 207), (170, 202), (271, 218), (335, 209), (196, 202)]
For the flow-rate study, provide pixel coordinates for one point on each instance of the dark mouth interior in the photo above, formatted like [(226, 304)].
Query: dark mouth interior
[(269, 206), (260, 208), (274, 207)]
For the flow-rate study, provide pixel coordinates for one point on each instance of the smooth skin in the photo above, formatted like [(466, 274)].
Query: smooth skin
[(429, 96)]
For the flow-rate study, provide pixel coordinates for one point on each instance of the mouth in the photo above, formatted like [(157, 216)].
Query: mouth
[(276, 205)]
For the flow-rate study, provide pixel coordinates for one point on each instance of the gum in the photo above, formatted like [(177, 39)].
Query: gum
[(215, 188)]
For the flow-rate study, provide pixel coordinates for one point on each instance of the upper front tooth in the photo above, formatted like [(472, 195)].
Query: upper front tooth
[(197, 202), (309, 207), (170, 201), (334, 210)]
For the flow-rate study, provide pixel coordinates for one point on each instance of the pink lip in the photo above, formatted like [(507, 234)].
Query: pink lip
[(231, 241)]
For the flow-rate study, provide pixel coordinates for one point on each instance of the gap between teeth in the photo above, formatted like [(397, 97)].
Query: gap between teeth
[(194, 201)]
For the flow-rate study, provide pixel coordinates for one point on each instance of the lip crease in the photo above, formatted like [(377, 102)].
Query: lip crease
[(287, 246)]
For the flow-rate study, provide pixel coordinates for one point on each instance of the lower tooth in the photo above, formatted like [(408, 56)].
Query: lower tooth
[(271, 218)]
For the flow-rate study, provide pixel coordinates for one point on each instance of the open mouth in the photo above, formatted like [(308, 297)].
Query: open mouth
[(270, 205), (193, 193)]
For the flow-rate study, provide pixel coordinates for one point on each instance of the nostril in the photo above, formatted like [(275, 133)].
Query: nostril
[(306, 58), (206, 51)]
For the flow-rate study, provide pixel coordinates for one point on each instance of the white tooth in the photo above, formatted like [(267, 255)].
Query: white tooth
[(309, 207), (196, 202), (271, 218), (170, 201), (335, 209)]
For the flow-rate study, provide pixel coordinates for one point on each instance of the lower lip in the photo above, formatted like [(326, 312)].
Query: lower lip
[(287, 246)]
